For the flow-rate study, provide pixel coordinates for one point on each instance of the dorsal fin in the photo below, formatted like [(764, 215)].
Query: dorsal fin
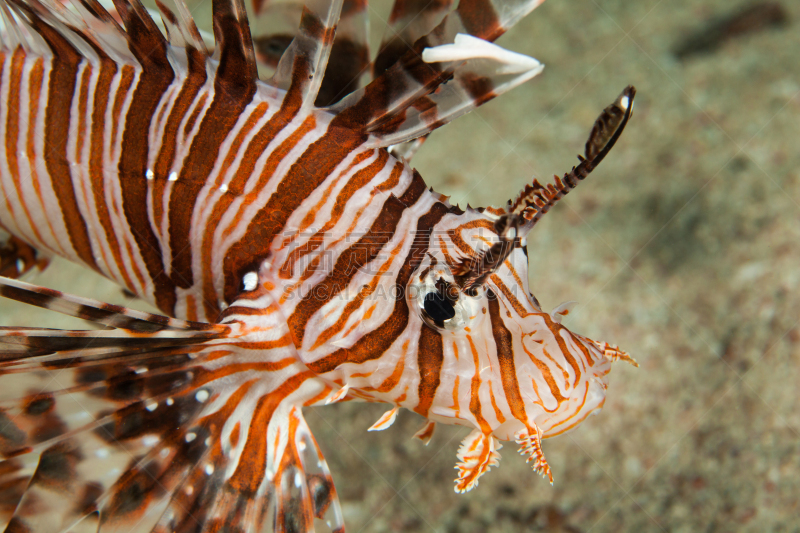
[(188, 27), (349, 58), (408, 21), (181, 28), (488, 19), (53, 26), (21, 19), (62, 41), (302, 66), (172, 25), (275, 26), (487, 72), (12, 38), (98, 25), (146, 41), (237, 65), (382, 105)]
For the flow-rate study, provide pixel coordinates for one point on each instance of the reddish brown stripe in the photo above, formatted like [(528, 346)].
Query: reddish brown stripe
[(83, 106), (497, 412), (289, 108), (97, 144), (128, 74), (257, 114), (555, 329), (156, 77), (312, 213), (354, 184), (287, 269), (158, 186), (512, 299), (12, 131), (505, 357), (204, 377), (234, 87), (458, 240), (195, 79), (125, 83), (376, 342), (300, 181), (274, 125), (361, 178), (359, 254), (430, 356), (357, 301), (251, 469), (63, 78), (35, 83), (456, 395), (475, 389), (9, 207), (226, 108), (201, 102)]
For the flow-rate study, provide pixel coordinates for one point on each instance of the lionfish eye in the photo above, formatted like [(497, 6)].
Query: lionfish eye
[(441, 303)]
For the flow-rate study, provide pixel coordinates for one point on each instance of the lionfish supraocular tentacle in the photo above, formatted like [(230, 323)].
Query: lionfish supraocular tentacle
[(330, 269), (531, 204)]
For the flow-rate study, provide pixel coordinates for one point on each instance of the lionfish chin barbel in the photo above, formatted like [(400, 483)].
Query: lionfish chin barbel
[(262, 216)]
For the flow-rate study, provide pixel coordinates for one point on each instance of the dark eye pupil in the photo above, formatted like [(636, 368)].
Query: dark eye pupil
[(438, 307)]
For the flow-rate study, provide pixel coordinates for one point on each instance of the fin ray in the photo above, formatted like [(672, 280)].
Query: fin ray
[(302, 66)]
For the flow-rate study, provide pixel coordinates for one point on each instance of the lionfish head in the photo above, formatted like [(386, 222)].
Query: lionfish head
[(524, 375)]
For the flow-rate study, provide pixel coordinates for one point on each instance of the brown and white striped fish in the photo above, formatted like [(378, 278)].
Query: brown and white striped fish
[(296, 256)]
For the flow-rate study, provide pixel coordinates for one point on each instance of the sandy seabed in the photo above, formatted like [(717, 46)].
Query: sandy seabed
[(683, 248)]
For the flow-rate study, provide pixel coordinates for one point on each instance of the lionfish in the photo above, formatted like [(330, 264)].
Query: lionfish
[(297, 258)]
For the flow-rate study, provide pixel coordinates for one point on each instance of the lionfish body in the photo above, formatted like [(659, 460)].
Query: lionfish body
[(280, 226)]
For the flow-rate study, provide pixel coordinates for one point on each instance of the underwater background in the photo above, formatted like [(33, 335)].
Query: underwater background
[(683, 248)]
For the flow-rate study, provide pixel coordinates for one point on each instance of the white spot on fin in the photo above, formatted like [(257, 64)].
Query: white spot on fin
[(386, 420)]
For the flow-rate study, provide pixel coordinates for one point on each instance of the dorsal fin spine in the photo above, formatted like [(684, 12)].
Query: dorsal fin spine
[(145, 40), (237, 70)]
